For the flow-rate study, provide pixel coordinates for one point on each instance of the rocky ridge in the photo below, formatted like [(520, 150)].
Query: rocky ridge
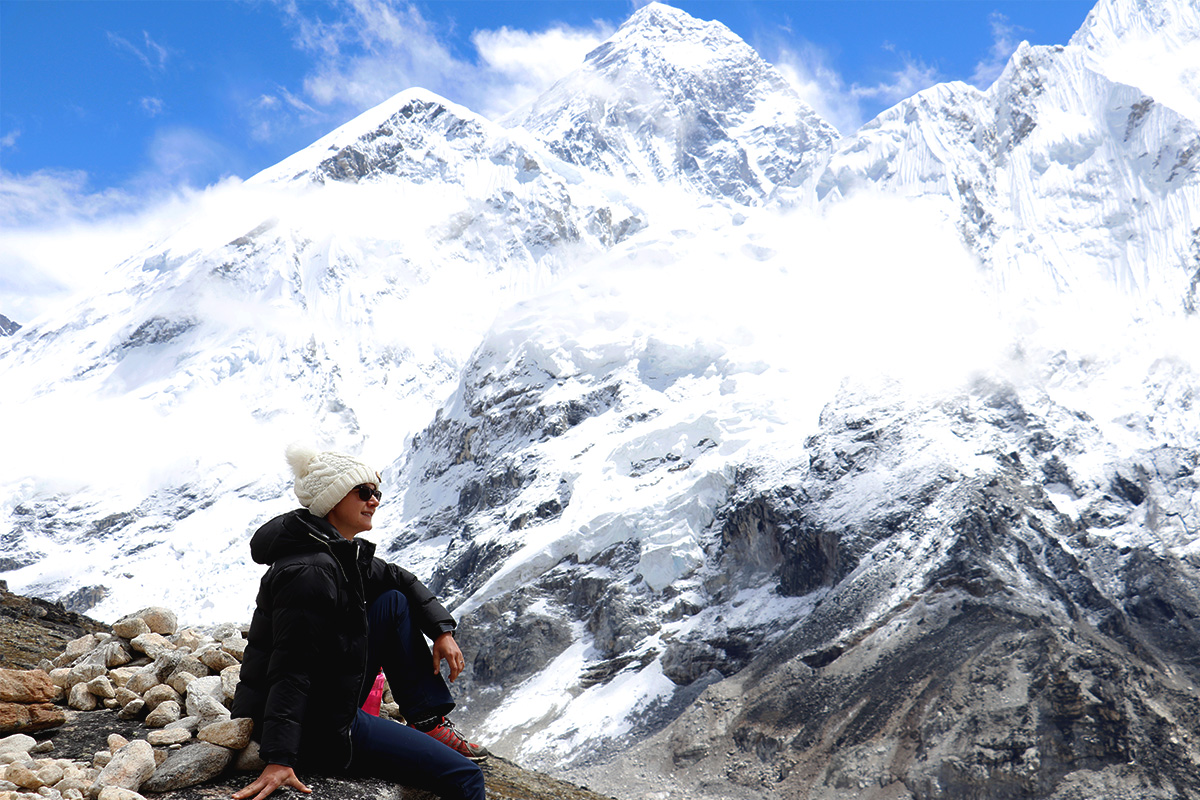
[(138, 742)]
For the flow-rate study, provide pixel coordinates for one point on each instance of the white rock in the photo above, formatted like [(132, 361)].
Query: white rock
[(84, 672), (232, 733), (81, 699), (190, 638), (24, 777), (230, 678), (235, 646), (17, 743), (78, 647), (179, 681), (143, 680), (159, 694), (129, 768), (187, 723), (217, 659), (134, 708), (130, 627), (101, 686), (61, 676), (166, 713), (50, 774), (208, 685), (118, 793), (206, 707), (121, 675), (152, 644), (161, 620), (168, 736)]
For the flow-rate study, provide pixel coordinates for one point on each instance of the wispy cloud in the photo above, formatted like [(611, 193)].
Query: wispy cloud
[(372, 49), (152, 106), (152, 55), (912, 76), (53, 236), (270, 113), (847, 106), (9, 140), (1004, 44), (61, 234), (519, 65)]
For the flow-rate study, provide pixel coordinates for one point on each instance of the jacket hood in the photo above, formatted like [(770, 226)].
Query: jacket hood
[(291, 534)]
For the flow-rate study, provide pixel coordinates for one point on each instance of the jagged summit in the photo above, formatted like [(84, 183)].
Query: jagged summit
[(662, 24), (669, 98), (1110, 22), (340, 154)]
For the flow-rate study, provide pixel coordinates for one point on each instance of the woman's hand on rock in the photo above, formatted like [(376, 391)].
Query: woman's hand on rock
[(273, 776)]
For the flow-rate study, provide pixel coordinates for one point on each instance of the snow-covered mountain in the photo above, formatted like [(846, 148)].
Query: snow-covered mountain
[(672, 99), (781, 465), (1061, 156)]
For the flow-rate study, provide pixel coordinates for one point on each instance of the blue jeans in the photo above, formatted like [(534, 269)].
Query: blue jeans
[(384, 748)]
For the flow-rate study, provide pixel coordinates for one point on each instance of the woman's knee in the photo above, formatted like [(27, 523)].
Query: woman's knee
[(391, 604), (472, 783)]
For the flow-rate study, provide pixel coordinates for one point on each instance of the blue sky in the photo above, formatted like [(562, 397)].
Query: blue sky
[(109, 107)]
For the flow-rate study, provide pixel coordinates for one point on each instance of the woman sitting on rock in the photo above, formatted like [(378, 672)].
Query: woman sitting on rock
[(329, 615)]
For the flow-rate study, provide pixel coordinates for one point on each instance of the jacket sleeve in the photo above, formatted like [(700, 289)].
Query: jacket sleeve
[(304, 597), (430, 615)]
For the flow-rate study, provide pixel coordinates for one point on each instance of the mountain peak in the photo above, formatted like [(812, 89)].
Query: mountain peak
[(673, 99), (662, 17), (403, 106), (1114, 21)]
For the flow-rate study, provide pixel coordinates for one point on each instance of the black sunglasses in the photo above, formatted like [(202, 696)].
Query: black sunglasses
[(365, 492)]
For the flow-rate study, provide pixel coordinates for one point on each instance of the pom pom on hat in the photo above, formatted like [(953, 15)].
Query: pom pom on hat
[(324, 478)]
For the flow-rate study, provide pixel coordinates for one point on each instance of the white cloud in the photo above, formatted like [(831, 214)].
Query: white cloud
[(1004, 44), (810, 71), (152, 55), (913, 76), (373, 49), (9, 140), (180, 157), (821, 86), (521, 65), (268, 114), (153, 106), (59, 234)]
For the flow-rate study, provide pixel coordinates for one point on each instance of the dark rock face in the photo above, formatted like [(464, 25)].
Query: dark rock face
[(7, 326), (970, 641), (36, 629)]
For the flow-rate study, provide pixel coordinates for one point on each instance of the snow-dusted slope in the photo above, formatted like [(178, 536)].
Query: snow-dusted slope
[(312, 303), (670, 98)]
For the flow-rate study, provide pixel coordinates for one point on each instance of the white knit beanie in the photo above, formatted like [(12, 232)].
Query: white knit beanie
[(323, 479)]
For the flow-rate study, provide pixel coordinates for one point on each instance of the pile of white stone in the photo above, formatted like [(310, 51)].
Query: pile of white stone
[(178, 682)]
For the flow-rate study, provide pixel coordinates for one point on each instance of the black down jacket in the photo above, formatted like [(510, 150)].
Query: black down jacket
[(304, 673)]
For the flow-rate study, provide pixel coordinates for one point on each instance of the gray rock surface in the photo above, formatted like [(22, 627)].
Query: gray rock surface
[(188, 766), (129, 768)]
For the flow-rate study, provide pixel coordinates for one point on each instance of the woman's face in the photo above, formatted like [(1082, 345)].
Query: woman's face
[(352, 515)]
